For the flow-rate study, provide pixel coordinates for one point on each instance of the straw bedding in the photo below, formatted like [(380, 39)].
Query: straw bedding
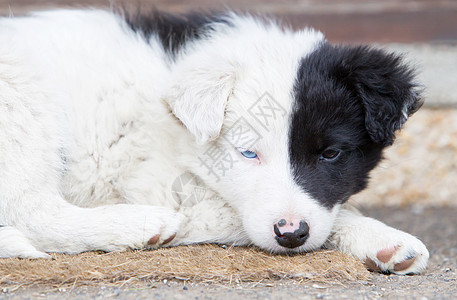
[(198, 263)]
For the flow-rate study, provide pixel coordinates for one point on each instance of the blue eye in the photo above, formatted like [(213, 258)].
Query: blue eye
[(249, 154)]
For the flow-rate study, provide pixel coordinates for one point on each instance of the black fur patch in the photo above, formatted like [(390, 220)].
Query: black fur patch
[(350, 99), (175, 30)]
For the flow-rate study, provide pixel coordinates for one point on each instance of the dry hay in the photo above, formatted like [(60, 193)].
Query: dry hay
[(202, 263)]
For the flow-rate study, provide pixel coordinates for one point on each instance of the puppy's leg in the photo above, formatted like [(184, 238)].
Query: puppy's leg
[(108, 228), (57, 226), (383, 248)]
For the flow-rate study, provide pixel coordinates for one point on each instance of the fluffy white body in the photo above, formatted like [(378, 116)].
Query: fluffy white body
[(92, 142)]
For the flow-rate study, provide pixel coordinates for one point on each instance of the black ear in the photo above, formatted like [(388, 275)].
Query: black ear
[(386, 87)]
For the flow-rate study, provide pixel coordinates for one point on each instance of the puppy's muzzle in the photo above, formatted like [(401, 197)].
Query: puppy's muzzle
[(290, 234)]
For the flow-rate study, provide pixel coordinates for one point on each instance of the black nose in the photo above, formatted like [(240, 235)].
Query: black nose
[(292, 239)]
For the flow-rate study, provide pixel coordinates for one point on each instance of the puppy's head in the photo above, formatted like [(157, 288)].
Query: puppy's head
[(289, 128)]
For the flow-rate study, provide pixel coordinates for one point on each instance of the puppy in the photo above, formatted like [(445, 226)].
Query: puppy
[(122, 132)]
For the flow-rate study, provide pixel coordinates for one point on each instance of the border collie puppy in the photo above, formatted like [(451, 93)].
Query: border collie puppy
[(157, 130)]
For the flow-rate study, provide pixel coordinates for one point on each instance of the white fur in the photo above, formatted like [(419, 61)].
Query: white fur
[(93, 118)]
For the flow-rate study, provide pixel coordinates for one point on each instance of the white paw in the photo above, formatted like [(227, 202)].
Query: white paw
[(381, 247), (138, 227), (397, 252)]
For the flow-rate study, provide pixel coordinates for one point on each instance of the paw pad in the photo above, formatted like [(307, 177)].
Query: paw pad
[(384, 259), (385, 255), (155, 239), (372, 266), (169, 239), (404, 264)]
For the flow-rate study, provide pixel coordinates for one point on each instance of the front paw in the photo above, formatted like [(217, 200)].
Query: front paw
[(160, 240), (140, 226), (163, 226), (382, 248), (405, 255)]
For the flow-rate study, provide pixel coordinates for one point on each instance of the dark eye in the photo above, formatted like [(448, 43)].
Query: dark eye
[(330, 155)]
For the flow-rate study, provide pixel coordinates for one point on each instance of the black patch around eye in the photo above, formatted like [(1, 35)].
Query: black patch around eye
[(326, 112)]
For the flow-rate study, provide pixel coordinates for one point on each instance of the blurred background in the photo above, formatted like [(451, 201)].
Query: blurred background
[(420, 170)]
